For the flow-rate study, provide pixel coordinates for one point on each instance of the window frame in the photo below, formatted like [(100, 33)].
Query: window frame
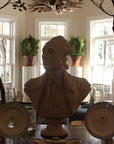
[(92, 43), (38, 24), (10, 37), (99, 86)]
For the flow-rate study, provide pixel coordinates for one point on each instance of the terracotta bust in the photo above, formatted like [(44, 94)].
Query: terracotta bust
[(56, 93)]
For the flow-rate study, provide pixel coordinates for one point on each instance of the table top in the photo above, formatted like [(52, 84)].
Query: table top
[(74, 132)]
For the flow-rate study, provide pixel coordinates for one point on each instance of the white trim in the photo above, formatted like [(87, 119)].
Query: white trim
[(89, 42), (12, 36), (52, 20), (91, 22)]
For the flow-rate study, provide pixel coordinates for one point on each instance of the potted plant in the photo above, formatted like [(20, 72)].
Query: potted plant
[(77, 44), (29, 49)]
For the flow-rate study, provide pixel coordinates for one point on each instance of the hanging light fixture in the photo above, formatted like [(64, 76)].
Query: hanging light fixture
[(101, 4), (17, 4), (57, 6)]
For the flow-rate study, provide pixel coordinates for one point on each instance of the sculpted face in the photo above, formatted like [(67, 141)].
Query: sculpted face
[(52, 57), (55, 52)]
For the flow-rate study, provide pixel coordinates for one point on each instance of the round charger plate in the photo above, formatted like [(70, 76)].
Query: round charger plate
[(99, 120), (14, 120)]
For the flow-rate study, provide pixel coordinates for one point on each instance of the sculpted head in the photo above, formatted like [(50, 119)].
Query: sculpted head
[(55, 52)]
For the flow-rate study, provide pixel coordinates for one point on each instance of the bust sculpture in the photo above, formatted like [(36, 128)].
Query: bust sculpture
[(56, 94)]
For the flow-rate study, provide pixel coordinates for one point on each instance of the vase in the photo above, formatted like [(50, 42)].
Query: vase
[(75, 61), (29, 60)]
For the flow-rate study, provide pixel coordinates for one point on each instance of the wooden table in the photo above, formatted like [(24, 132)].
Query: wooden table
[(75, 132)]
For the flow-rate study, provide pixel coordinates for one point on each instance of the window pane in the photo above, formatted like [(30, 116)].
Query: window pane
[(101, 29), (108, 76), (48, 30), (98, 30), (107, 28), (8, 73), (61, 30), (7, 57), (8, 45), (44, 30), (8, 51), (99, 52), (6, 28), (110, 56), (0, 27), (52, 30), (98, 74)]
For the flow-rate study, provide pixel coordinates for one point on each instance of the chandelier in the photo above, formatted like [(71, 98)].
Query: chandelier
[(58, 6)]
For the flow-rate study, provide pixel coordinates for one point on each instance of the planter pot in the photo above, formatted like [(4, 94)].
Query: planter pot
[(75, 61), (29, 60)]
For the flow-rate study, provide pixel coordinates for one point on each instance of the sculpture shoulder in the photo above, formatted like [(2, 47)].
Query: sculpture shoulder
[(80, 81), (83, 86), (34, 83)]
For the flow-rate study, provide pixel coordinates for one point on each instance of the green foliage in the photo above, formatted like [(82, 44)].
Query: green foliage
[(78, 46), (29, 46), (19, 5)]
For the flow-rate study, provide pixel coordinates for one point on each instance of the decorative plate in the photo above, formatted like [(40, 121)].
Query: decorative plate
[(14, 120), (99, 120)]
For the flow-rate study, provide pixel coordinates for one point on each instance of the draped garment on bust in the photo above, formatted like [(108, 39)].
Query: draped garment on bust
[(57, 96)]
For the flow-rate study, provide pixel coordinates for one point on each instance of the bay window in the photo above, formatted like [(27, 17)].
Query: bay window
[(102, 57)]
